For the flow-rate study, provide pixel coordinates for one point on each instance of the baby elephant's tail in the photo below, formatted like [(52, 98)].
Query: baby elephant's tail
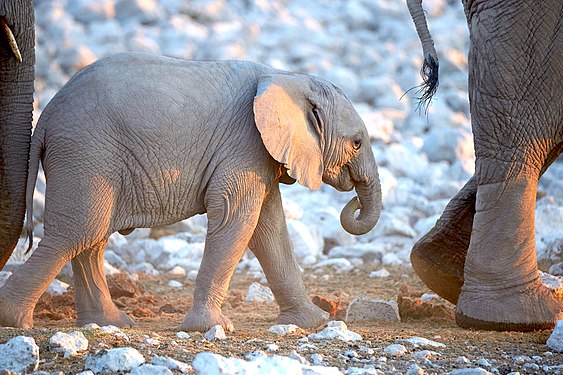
[(36, 149)]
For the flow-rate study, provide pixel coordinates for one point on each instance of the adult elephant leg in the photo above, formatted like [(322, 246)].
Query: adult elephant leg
[(16, 108), (91, 294), (272, 246), (232, 218), (438, 258), (516, 113), (23, 289), (502, 289)]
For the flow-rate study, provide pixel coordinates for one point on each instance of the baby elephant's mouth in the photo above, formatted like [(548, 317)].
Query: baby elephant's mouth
[(342, 181)]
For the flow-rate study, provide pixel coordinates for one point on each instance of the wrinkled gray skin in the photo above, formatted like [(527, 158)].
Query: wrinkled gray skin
[(17, 59), (481, 254), (136, 140)]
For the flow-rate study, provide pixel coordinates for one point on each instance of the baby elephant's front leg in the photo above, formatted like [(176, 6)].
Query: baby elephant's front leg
[(272, 247), (231, 222)]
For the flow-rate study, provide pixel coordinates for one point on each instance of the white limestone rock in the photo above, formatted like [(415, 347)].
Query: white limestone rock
[(215, 333), (172, 364), (395, 349), (151, 369), (70, 344), (215, 364), (363, 309), (259, 293), (114, 360), (19, 354), (57, 287), (283, 329), (422, 342), (335, 330), (555, 340)]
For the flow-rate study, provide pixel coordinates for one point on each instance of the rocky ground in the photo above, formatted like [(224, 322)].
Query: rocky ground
[(369, 49), (425, 340)]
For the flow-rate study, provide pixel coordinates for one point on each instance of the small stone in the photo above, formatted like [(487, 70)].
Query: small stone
[(425, 354), (364, 310), (327, 304), (395, 349), (152, 342), (317, 359), (555, 340), (113, 330), (215, 333), (462, 359), (308, 347), (114, 360), (272, 347), (299, 358), (177, 271), (182, 335), (69, 344), (429, 297), (192, 275), (283, 329), (259, 293), (19, 354), (422, 342), (382, 273), (91, 326), (336, 330), (482, 362), (171, 363), (148, 369), (175, 284), (470, 371), (57, 287)]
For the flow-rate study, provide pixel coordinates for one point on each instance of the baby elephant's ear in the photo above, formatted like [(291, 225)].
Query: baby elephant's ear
[(281, 113)]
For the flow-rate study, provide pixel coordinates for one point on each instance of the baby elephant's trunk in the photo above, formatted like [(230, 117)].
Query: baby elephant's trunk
[(368, 202)]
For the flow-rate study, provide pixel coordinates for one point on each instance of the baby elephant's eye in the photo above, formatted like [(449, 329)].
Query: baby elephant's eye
[(357, 144)]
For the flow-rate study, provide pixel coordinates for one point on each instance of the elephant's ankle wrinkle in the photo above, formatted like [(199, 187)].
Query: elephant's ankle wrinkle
[(500, 286)]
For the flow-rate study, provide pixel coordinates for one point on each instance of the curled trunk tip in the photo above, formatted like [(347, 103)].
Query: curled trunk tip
[(361, 224)]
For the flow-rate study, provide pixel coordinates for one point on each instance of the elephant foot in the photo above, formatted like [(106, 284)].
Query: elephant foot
[(304, 316), (438, 258), (113, 317), (529, 308), (15, 315), (439, 264), (201, 320)]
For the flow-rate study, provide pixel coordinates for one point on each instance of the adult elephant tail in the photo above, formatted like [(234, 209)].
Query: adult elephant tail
[(17, 60), (429, 71), (36, 149)]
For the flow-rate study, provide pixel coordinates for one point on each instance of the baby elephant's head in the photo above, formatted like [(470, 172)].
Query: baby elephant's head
[(309, 126)]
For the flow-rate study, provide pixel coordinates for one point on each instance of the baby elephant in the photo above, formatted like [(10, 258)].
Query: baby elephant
[(136, 140)]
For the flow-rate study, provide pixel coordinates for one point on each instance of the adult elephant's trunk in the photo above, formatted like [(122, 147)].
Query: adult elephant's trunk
[(17, 59), (368, 202)]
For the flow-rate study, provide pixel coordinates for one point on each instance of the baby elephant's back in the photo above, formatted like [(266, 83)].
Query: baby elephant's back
[(135, 95)]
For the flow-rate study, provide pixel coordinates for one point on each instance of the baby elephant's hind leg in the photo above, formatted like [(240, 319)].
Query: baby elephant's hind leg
[(22, 290), (91, 293)]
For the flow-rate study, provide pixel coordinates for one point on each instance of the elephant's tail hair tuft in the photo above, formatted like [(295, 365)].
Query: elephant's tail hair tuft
[(429, 85)]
